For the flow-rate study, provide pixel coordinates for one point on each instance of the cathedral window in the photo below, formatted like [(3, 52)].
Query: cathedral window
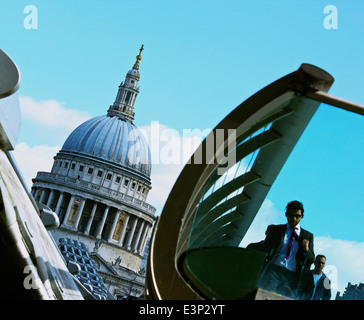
[(108, 177), (117, 180), (126, 182), (127, 96), (99, 173), (90, 170), (119, 227), (81, 168)]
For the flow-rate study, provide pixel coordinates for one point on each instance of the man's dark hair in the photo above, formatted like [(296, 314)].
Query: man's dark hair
[(320, 256), (295, 205)]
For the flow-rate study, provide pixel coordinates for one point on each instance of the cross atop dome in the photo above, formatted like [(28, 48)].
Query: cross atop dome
[(138, 57)]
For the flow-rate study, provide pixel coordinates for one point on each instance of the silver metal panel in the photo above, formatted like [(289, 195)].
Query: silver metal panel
[(10, 117), (31, 247)]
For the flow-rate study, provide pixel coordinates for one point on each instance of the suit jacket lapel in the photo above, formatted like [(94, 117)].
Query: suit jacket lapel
[(282, 232)]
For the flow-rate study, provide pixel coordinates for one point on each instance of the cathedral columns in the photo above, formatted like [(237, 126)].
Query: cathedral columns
[(68, 210), (135, 246), (87, 230), (59, 202), (140, 248), (50, 198), (112, 230), (42, 196), (124, 230), (101, 227), (79, 213), (132, 230), (131, 235)]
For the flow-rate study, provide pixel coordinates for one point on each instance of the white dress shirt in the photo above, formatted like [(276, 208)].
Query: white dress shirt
[(281, 260)]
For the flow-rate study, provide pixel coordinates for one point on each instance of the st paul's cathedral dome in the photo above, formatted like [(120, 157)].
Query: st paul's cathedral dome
[(114, 138), (98, 187)]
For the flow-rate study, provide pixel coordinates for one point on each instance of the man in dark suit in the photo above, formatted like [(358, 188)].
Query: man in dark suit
[(289, 251), (314, 284)]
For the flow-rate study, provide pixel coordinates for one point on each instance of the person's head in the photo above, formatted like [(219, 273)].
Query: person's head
[(294, 212), (319, 263)]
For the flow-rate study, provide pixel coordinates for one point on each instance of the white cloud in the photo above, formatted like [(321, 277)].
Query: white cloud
[(48, 121), (33, 159), (43, 122), (51, 113), (170, 152)]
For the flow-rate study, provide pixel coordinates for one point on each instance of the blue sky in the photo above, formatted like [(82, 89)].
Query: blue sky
[(201, 59)]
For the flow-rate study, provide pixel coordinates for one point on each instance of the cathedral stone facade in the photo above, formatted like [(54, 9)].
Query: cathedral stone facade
[(98, 186)]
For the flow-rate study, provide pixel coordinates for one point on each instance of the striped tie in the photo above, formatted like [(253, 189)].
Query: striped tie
[(290, 242)]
